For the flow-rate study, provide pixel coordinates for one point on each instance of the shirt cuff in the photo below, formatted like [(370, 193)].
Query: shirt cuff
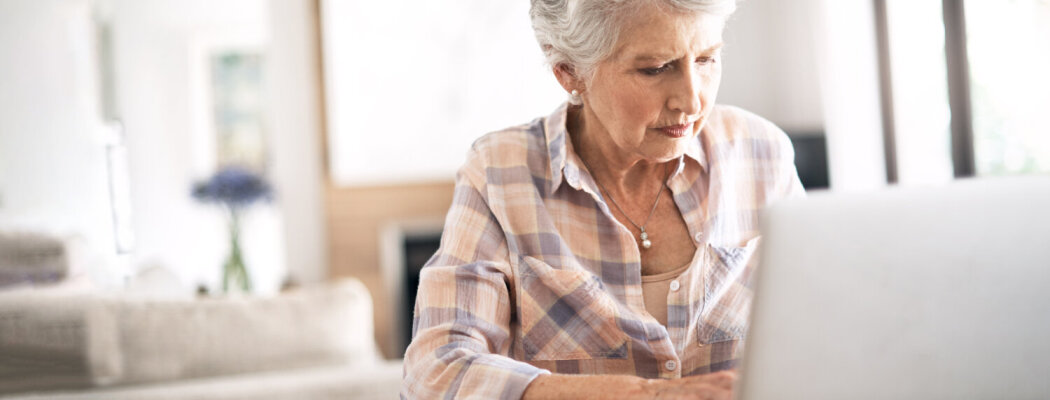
[(518, 377)]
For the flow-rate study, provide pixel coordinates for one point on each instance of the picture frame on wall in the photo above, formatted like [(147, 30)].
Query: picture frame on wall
[(228, 70)]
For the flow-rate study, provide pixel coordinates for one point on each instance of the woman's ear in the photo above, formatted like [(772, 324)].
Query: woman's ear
[(567, 78)]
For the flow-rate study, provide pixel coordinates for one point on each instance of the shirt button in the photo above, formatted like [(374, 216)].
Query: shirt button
[(675, 285), (670, 365), (699, 237)]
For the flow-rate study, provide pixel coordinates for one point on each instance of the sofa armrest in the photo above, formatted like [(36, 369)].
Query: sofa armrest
[(120, 340)]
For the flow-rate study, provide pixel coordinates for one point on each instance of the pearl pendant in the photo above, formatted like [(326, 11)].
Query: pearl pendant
[(645, 240)]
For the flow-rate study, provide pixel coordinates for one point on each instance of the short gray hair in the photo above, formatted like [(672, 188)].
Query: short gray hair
[(581, 33)]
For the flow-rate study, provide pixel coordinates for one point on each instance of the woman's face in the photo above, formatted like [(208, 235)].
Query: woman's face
[(653, 93)]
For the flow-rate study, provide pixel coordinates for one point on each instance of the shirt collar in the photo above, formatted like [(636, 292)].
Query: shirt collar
[(565, 164)]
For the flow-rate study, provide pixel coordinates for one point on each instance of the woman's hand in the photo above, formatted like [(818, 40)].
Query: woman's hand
[(715, 386)]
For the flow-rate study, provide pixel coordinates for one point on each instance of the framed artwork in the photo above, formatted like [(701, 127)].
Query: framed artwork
[(228, 71), (236, 77)]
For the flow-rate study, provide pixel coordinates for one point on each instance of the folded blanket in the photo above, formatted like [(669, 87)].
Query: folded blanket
[(32, 258)]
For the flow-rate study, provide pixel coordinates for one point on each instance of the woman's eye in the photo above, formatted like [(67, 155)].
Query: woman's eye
[(706, 60), (656, 71)]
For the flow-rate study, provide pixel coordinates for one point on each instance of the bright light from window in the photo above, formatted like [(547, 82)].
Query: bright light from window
[(1009, 56)]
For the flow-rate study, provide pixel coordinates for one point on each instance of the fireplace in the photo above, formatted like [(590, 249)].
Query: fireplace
[(405, 246)]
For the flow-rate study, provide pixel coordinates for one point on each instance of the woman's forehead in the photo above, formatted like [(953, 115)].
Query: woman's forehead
[(655, 33)]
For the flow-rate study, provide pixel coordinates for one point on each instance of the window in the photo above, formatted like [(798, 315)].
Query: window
[(1009, 57), (968, 88)]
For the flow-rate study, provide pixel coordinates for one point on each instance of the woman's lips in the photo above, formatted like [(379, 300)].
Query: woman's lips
[(676, 131)]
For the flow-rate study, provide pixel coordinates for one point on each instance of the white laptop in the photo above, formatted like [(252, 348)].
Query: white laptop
[(909, 293)]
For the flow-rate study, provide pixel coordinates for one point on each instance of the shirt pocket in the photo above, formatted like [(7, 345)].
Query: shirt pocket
[(727, 292), (566, 315)]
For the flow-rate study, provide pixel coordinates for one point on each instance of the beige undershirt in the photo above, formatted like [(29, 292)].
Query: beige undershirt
[(655, 289)]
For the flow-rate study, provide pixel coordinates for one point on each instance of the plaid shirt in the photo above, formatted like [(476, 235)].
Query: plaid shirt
[(535, 275)]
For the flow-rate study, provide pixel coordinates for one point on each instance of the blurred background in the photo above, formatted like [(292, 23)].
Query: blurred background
[(358, 113)]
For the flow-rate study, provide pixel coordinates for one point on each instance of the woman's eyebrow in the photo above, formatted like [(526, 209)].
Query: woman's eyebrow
[(715, 47), (652, 57), (666, 56)]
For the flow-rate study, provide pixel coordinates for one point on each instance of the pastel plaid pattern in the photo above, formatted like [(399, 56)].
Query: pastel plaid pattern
[(535, 275)]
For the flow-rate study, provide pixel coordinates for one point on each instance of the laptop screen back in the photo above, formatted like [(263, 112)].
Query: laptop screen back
[(908, 293)]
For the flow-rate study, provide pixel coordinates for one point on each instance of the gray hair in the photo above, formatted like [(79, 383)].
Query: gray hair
[(582, 33)]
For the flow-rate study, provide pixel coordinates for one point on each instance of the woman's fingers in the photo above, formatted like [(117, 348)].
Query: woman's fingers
[(714, 386), (722, 379)]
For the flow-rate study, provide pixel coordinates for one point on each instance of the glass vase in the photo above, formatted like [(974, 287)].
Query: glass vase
[(235, 277)]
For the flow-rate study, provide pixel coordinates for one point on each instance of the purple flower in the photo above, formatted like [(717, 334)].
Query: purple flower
[(234, 187)]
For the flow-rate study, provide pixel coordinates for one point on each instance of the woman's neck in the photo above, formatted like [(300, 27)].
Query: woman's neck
[(623, 173)]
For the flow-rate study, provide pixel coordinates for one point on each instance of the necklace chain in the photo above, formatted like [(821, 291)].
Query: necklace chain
[(646, 243)]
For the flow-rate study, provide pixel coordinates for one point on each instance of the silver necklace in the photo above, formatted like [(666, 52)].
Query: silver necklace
[(644, 237)]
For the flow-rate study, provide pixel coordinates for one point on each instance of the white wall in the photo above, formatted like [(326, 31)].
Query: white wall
[(53, 174), (771, 63)]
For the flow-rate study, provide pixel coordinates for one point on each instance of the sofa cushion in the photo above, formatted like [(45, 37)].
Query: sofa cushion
[(105, 340)]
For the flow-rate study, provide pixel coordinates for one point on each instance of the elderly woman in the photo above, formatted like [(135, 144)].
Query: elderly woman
[(604, 251)]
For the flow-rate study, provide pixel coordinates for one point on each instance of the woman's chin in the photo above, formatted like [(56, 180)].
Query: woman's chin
[(668, 153)]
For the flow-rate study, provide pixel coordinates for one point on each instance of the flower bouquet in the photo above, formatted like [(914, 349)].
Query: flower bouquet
[(234, 188)]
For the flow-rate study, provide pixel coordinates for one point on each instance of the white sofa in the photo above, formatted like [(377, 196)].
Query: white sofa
[(307, 344)]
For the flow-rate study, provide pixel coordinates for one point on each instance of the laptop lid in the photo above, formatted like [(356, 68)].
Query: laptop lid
[(909, 293)]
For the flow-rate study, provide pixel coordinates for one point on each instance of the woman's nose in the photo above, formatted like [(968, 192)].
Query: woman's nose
[(686, 95)]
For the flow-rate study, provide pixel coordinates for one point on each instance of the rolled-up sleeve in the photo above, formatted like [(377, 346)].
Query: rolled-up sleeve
[(461, 329)]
